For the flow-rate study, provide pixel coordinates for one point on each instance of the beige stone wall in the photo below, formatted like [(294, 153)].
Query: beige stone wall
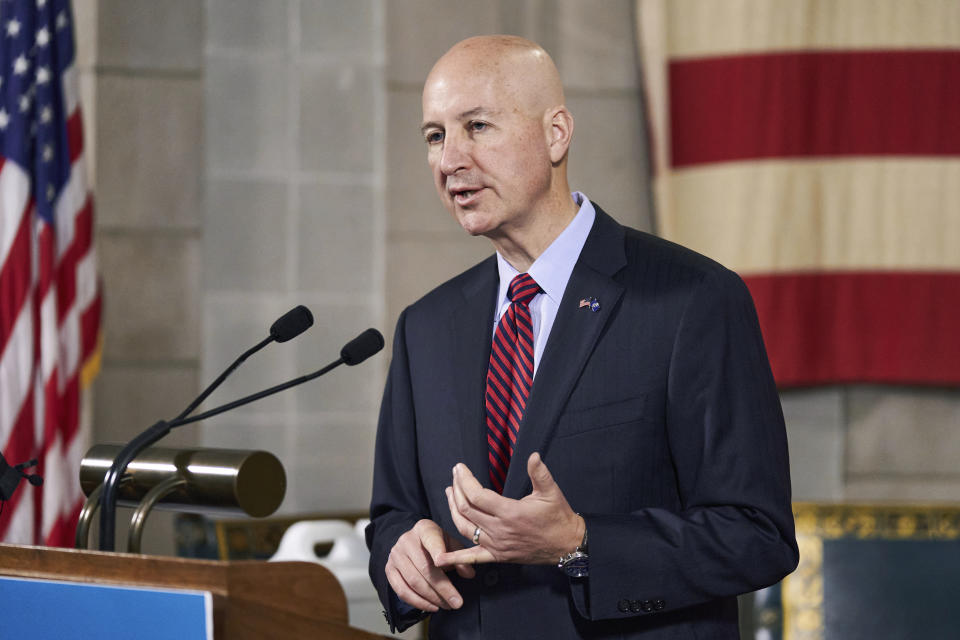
[(141, 90), (293, 214), (250, 155)]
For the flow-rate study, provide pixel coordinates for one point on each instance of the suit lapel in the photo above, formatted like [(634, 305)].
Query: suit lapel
[(572, 340), (471, 329)]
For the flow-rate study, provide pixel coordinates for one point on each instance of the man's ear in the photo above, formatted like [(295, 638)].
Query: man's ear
[(559, 123)]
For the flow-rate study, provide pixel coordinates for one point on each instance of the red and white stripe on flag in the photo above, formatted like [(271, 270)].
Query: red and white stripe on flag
[(49, 293), (813, 146)]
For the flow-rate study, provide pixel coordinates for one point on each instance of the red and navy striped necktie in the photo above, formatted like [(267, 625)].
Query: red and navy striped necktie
[(509, 377)]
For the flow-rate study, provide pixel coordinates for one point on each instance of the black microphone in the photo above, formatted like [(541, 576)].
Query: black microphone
[(362, 347), (291, 324), (33, 478), (288, 326), (10, 476), (354, 352)]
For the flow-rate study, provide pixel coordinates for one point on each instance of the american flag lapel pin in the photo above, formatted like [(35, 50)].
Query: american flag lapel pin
[(591, 303)]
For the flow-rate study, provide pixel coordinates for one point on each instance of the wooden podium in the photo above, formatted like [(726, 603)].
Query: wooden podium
[(251, 599)]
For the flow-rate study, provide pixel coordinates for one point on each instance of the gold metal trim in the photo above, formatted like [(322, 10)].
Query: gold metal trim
[(225, 481), (139, 518)]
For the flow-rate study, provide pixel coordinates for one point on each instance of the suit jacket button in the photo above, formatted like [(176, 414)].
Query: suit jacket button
[(491, 578), (623, 606), (647, 606), (635, 606), (658, 604)]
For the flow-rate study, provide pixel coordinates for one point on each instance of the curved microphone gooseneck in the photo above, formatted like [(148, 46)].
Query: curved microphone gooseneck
[(354, 352), (286, 327)]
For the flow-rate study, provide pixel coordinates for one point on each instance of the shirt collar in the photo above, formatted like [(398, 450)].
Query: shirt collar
[(553, 268)]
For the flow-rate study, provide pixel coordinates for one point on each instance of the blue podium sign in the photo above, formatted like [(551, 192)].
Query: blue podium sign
[(73, 610)]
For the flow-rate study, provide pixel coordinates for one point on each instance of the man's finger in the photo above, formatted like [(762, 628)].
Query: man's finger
[(413, 558), (477, 504), (468, 556), (432, 541), (479, 497), (452, 543), (405, 592), (540, 476), (464, 526), (465, 571), (472, 516), (437, 580), (417, 581)]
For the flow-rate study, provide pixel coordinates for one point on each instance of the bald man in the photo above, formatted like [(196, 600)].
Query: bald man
[(580, 436)]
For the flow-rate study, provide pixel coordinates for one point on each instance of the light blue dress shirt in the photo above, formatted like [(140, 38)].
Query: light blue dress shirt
[(552, 272)]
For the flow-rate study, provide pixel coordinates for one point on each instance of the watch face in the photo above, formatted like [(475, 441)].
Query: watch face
[(578, 566)]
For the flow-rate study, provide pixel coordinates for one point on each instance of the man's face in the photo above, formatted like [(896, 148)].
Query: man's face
[(488, 155)]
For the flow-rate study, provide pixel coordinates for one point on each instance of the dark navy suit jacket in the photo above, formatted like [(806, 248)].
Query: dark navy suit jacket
[(657, 416)]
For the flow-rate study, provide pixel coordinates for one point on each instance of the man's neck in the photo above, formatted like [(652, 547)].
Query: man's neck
[(521, 247)]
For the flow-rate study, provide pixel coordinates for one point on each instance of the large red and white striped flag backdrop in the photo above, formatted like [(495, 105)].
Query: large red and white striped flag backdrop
[(813, 146), (49, 297)]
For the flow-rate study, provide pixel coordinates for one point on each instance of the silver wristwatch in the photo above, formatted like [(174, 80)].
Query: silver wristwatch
[(577, 563)]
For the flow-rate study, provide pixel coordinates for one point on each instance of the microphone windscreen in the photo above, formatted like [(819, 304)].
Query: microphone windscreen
[(362, 347), (291, 324)]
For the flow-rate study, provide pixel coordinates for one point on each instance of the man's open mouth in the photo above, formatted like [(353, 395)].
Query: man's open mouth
[(465, 196)]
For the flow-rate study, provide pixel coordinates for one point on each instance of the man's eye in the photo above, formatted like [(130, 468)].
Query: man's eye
[(434, 137), (478, 126)]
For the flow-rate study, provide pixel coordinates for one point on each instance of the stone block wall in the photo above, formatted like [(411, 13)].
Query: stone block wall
[(293, 214), (141, 89)]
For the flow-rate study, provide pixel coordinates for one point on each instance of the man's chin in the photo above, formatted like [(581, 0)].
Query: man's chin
[(475, 223)]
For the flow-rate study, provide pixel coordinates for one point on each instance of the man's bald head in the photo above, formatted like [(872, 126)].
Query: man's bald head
[(522, 68), (497, 135)]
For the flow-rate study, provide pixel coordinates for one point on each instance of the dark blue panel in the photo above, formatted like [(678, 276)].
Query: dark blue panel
[(891, 589)]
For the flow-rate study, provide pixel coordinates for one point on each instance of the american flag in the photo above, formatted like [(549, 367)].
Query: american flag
[(49, 294), (813, 146)]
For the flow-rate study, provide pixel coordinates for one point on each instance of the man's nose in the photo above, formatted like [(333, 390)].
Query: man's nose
[(455, 155)]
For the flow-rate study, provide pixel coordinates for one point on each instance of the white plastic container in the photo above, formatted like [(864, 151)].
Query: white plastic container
[(347, 560)]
